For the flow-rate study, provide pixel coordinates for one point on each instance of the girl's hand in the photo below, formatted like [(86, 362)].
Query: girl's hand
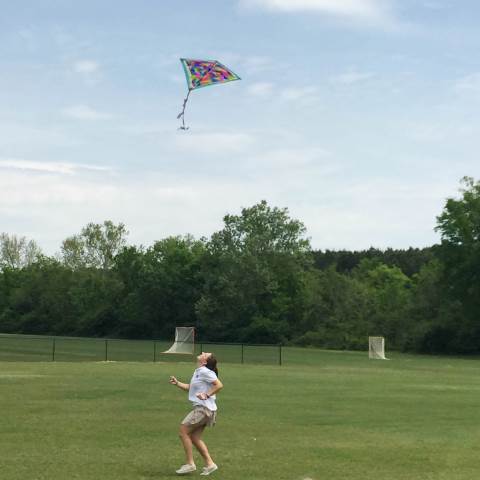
[(202, 396), (173, 380)]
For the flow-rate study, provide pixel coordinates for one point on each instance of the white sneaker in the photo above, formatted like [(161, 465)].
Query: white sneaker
[(209, 470), (187, 468)]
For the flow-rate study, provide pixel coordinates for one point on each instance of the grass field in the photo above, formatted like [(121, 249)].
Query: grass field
[(323, 415)]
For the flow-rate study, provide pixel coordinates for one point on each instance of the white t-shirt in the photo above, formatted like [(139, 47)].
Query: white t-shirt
[(201, 382)]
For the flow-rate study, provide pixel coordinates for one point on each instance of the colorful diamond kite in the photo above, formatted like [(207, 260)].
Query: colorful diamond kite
[(203, 73)]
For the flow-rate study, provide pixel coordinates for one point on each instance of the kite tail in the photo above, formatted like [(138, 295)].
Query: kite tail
[(182, 113)]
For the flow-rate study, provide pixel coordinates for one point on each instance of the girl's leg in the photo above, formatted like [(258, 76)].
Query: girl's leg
[(195, 436), (184, 434)]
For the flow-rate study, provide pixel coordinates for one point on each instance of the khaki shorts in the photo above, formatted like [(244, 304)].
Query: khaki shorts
[(199, 417)]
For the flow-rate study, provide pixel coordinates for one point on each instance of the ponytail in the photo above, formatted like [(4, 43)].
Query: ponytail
[(212, 364)]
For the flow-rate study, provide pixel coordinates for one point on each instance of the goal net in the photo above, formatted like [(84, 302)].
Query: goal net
[(184, 341), (376, 348)]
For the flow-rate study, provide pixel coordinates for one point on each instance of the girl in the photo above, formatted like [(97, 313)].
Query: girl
[(202, 391)]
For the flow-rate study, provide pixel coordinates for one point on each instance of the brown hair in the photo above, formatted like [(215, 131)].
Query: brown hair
[(212, 364)]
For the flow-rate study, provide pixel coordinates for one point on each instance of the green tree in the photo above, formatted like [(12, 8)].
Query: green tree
[(95, 247), (10, 280), (390, 291), (161, 286), (459, 226), (410, 261), (93, 299), (338, 311), (17, 252), (38, 300), (434, 315), (254, 277)]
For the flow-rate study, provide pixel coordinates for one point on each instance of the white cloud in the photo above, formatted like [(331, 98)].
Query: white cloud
[(213, 143), (350, 78), (288, 94), (84, 112), (44, 203), (27, 36), (468, 83), (88, 70), (426, 132), (49, 187), (48, 167), (367, 10), (248, 65), (18, 135), (49, 207), (177, 78), (299, 93), (86, 66), (436, 5), (261, 89), (256, 64), (287, 165), (360, 215), (445, 131)]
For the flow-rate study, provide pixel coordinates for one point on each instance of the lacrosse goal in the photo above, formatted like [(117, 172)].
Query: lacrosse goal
[(184, 341), (376, 348)]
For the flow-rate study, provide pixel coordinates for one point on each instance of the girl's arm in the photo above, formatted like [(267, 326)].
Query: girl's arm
[(217, 385), (182, 386)]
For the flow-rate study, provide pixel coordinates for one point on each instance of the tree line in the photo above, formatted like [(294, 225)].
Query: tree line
[(256, 280)]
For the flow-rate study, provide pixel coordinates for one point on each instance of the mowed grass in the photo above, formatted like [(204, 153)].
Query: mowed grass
[(323, 415)]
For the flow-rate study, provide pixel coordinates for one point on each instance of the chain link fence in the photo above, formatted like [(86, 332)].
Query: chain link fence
[(30, 348)]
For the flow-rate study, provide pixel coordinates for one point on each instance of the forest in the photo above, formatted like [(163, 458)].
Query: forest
[(257, 280)]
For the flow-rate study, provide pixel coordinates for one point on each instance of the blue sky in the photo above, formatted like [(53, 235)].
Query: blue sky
[(360, 116)]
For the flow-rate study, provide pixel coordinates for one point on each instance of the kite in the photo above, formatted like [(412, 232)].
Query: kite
[(203, 73)]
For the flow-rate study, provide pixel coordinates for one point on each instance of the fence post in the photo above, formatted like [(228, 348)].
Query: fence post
[(53, 350), (154, 351), (280, 354), (242, 353), (106, 349)]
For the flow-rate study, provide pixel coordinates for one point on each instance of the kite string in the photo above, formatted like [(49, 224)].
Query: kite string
[(182, 113)]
